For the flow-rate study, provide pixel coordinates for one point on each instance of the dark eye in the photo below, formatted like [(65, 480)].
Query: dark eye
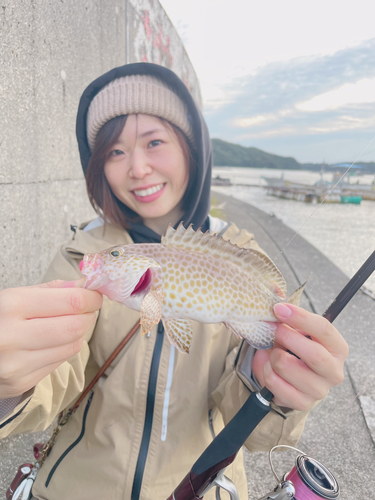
[(116, 152), (115, 253), (154, 143)]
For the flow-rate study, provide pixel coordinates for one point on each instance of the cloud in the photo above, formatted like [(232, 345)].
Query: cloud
[(359, 92), (283, 84), (297, 123), (253, 121), (302, 97)]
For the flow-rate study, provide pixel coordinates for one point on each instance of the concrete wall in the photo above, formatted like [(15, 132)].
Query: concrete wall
[(50, 51)]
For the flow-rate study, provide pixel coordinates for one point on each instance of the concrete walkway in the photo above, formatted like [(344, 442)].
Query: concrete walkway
[(340, 432)]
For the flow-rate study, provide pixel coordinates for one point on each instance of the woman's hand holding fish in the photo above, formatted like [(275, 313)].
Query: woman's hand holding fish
[(41, 327), (298, 382)]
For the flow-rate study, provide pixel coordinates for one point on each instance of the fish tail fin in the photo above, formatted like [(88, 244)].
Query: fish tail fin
[(295, 297)]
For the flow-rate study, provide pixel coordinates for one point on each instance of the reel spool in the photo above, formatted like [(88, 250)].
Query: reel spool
[(308, 480)]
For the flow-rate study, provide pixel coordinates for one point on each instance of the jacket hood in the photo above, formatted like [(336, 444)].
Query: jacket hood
[(199, 194)]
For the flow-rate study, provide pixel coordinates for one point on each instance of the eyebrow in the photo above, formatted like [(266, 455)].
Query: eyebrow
[(150, 132), (145, 134)]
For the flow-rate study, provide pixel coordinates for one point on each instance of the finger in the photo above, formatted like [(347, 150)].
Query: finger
[(285, 394), (17, 365), (43, 301), (23, 384), (35, 377), (300, 376), (61, 284), (314, 325), (43, 333), (313, 354)]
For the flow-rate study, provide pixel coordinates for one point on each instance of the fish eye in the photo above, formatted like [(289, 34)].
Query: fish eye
[(116, 253)]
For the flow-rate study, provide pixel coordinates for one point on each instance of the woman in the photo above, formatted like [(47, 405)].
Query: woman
[(146, 154)]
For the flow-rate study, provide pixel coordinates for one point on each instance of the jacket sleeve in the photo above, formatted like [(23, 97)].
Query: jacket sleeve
[(39, 406), (281, 425)]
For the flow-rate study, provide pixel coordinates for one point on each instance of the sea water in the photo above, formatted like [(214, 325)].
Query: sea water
[(345, 233)]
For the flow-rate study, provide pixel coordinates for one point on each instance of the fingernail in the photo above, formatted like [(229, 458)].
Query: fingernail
[(282, 311)]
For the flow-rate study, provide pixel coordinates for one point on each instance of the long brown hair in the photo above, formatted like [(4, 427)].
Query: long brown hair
[(101, 196)]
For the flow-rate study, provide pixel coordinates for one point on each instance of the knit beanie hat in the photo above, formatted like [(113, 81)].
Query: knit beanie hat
[(135, 94)]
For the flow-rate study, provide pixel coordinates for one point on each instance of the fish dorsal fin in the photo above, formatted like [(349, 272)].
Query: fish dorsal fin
[(253, 261)]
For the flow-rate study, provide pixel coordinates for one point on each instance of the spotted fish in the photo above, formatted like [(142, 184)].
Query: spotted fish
[(192, 276)]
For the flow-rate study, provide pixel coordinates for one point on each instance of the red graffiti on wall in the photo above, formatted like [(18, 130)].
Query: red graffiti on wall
[(147, 25), (159, 44), (157, 41)]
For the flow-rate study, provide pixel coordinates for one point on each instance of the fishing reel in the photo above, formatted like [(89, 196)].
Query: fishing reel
[(308, 480)]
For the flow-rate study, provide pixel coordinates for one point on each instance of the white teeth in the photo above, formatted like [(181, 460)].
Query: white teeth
[(147, 192)]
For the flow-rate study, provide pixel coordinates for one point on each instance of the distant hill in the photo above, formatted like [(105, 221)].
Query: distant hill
[(234, 155), (227, 154)]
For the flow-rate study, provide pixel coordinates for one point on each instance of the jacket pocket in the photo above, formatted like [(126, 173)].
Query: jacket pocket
[(68, 450)]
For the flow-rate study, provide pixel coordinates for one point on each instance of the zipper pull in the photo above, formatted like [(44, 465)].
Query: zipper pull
[(160, 329)]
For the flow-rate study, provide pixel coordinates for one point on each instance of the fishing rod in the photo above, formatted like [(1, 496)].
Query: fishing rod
[(352, 287), (208, 470)]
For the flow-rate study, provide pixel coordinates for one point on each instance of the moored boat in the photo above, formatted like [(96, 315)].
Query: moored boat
[(220, 181)]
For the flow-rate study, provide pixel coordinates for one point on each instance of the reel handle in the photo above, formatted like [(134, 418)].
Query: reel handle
[(283, 491)]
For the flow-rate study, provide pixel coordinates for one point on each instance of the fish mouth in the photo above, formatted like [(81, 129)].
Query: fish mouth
[(143, 283), (91, 266), (95, 282)]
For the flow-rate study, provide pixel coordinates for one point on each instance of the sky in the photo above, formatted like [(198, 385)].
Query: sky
[(292, 77)]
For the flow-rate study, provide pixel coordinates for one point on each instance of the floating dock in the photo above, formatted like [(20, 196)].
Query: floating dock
[(320, 192), (313, 195)]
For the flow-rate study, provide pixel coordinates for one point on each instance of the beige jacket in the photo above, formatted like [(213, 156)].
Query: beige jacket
[(96, 454)]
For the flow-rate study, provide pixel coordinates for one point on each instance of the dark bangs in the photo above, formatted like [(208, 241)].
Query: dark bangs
[(99, 191)]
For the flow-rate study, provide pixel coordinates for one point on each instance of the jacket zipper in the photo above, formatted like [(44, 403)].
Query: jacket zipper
[(53, 470), (150, 403), (211, 426)]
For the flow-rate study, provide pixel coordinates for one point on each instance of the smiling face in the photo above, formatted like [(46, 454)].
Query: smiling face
[(147, 170)]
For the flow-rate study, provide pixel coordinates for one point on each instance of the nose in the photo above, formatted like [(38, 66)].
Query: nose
[(139, 164)]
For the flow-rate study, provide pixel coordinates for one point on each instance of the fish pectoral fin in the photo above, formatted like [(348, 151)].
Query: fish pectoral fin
[(151, 310), (259, 334), (180, 333)]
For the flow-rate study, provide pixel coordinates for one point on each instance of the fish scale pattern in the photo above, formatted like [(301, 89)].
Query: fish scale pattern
[(210, 290), (253, 261)]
